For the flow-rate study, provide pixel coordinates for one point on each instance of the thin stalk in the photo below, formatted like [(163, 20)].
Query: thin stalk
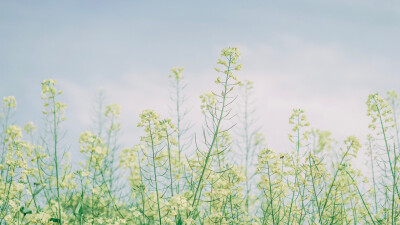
[(333, 181), (271, 196), (178, 112), (55, 157), (362, 199), (170, 164), (155, 173), (314, 190), (214, 137), (247, 148)]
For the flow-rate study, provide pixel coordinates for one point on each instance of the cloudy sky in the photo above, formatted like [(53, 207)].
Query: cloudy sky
[(322, 56)]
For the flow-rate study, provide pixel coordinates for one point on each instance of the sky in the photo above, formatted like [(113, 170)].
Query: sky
[(321, 56)]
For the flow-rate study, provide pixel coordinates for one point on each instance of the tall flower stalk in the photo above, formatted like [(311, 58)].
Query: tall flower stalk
[(55, 111)]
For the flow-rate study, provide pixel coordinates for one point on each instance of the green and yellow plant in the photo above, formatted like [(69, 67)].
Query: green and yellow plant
[(170, 176)]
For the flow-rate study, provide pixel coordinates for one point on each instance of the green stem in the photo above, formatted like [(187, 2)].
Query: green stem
[(362, 199), (155, 173), (55, 157), (214, 137)]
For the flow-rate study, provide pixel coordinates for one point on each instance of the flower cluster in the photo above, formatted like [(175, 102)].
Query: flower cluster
[(176, 73), (9, 102)]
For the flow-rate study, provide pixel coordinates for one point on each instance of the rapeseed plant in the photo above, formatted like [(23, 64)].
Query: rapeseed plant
[(221, 177)]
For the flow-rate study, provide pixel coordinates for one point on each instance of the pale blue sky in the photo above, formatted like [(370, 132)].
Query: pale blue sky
[(323, 56)]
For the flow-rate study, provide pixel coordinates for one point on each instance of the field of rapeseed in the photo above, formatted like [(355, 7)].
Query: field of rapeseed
[(218, 177)]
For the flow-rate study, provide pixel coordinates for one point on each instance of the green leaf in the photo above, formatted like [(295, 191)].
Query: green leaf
[(78, 208), (38, 191), (180, 222), (56, 220), (25, 211)]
